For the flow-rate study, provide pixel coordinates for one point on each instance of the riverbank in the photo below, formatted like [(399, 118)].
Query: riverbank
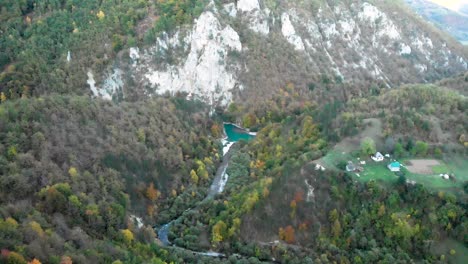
[(216, 187), (233, 134)]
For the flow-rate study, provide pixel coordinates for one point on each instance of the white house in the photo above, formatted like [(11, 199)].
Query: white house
[(378, 157)]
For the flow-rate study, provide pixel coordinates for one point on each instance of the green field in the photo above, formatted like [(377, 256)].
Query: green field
[(378, 171), (333, 157)]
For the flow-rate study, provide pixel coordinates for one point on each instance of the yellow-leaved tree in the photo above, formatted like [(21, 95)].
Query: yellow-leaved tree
[(127, 236), (193, 177), (218, 232), (73, 172), (101, 15)]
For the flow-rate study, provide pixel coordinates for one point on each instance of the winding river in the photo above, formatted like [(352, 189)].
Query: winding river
[(233, 134)]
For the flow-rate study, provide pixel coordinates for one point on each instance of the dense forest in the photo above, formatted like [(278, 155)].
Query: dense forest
[(73, 169)]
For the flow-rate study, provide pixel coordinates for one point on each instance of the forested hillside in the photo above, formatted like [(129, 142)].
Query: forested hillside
[(424, 112), (73, 170), (349, 222), (112, 147), (458, 83)]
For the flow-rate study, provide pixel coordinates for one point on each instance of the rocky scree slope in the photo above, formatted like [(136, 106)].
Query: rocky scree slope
[(246, 50)]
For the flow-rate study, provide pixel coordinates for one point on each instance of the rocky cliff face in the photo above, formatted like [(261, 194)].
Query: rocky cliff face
[(247, 49)]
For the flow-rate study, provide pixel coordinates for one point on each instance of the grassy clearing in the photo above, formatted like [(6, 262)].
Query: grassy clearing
[(433, 182), (348, 150), (333, 158), (378, 171)]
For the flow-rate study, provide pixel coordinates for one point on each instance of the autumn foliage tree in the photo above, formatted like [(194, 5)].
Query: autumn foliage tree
[(193, 177), (215, 130), (219, 232), (127, 236), (152, 193), (287, 234), (293, 206), (34, 261)]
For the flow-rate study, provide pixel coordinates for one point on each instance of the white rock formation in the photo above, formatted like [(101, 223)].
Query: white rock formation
[(110, 87), (92, 84), (112, 84), (379, 20), (134, 54), (258, 18), (137, 220), (230, 9), (248, 5), (289, 32), (405, 49), (204, 73)]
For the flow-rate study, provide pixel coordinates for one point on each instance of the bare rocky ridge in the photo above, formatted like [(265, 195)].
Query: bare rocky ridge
[(249, 50)]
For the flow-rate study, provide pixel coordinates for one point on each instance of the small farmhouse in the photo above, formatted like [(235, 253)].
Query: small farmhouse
[(378, 157), (394, 166)]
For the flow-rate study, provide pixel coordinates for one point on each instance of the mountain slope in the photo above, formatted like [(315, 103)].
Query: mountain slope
[(248, 51)]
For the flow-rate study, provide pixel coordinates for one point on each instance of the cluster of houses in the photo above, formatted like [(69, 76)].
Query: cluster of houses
[(394, 166)]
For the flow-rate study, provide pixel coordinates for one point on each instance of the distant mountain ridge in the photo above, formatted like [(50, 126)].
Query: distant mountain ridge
[(455, 23)]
